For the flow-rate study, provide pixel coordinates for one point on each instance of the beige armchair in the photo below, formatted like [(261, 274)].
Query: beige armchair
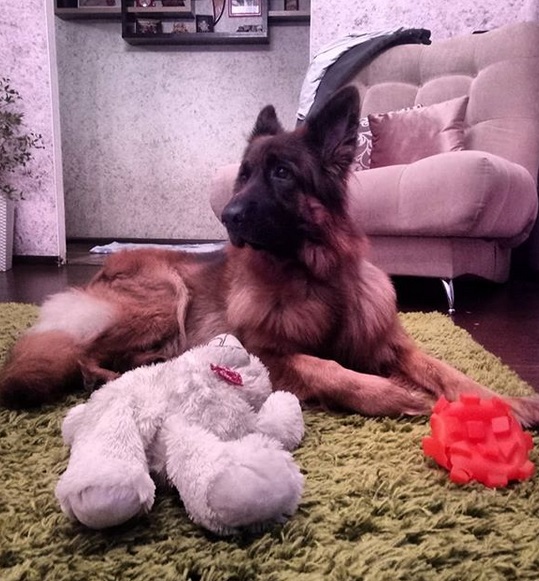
[(458, 212)]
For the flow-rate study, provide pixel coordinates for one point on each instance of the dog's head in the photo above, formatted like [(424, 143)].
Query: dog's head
[(290, 183)]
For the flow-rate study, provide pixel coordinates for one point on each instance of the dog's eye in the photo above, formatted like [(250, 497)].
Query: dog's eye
[(281, 172), (243, 175)]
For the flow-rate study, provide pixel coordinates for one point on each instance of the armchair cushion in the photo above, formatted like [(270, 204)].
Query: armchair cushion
[(362, 159), (468, 194), (408, 135)]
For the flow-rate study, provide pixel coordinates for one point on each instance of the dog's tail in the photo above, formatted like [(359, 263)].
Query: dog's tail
[(41, 368), (44, 364)]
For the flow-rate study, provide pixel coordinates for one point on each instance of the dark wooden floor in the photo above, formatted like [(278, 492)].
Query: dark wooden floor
[(503, 318)]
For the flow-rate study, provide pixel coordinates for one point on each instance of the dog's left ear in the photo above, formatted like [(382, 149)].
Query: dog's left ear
[(266, 123), (332, 132)]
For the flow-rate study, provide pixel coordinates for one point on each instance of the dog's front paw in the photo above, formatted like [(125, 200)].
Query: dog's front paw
[(99, 501)]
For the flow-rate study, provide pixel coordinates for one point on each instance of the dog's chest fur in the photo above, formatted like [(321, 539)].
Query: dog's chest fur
[(278, 306), (272, 306)]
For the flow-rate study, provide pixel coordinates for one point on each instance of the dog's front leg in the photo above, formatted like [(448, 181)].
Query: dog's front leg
[(427, 373), (330, 385), (412, 389)]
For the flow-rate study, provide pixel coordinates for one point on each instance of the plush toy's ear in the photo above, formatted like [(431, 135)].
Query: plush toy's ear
[(266, 123), (332, 132)]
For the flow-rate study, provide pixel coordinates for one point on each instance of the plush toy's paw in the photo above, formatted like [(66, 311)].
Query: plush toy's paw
[(281, 418), (106, 496), (100, 507), (261, 486)]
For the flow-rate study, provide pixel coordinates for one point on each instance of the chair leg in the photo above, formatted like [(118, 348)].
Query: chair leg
[(450, 294)]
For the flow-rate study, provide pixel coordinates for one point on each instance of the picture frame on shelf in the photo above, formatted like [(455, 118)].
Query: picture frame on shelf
[(244, 8), (204, 23)]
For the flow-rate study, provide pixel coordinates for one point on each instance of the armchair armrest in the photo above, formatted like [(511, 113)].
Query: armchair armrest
[(468, 194)]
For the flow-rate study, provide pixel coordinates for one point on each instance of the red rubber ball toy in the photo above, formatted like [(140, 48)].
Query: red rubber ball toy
[(479, 439)]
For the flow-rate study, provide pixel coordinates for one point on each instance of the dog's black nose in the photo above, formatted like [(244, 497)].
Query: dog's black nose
[(233, 214), (233, 218)]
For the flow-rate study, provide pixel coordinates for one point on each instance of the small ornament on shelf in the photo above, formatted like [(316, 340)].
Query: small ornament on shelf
[(291, 4), (148, 26)]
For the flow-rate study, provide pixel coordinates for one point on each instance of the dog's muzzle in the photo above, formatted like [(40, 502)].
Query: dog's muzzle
[(234, 219), (260, 224)]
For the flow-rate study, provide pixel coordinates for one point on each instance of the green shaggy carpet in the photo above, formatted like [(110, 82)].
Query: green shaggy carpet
[(374, 508)]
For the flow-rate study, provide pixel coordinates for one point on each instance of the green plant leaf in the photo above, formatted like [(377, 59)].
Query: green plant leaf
[(16, 144)]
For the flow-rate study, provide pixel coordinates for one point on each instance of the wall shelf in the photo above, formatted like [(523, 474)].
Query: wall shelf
[(289, 15), (160, 21), (88, 12), (127, 12), (198, 38)]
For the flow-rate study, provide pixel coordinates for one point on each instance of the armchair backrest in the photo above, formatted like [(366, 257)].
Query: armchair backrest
[(498, 70)]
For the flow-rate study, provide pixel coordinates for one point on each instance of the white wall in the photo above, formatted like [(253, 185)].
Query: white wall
[(329, 20), (28, 57), (144, 128)]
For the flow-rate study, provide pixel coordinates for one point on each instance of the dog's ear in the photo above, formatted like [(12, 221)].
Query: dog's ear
[(332, 132), (266, 123)]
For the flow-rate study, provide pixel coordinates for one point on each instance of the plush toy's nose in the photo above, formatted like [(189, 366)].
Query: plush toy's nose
[(229, 352), (225, 340)]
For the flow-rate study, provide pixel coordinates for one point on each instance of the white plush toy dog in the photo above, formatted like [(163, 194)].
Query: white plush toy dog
[(208, 421)]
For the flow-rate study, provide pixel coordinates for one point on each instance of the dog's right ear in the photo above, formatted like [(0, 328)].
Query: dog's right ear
[(332, 132), (266, 123)]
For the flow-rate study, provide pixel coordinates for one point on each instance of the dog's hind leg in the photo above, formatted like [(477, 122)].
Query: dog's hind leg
[(43, 365), (145, 332)]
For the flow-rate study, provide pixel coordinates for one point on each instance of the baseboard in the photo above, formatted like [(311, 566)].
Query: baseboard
[(103, 241), (30, 259)]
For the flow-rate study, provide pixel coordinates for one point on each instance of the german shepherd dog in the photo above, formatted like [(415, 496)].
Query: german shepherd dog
[(294, 285)]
